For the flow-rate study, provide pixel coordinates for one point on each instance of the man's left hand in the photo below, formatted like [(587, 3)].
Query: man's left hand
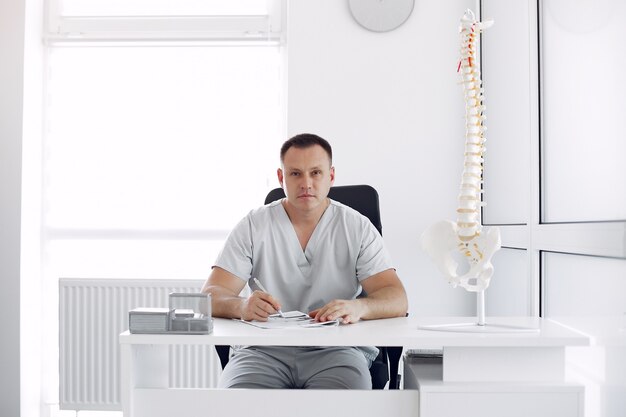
[(348, 311)]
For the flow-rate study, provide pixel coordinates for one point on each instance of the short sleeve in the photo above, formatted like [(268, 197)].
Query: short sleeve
[(373, 256), (236, 255)]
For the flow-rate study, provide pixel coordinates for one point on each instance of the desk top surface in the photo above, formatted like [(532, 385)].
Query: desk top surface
[(405, 331)]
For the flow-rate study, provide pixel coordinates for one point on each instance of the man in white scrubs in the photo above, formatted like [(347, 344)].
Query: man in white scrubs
[(311, 254)]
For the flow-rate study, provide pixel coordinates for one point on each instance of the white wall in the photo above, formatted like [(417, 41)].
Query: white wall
[(11, 87), (391, 106)]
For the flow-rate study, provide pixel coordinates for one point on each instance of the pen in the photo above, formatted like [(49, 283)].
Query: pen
[(262, 288)]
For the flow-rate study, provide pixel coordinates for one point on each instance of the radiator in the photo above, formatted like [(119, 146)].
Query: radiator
[(92, 314)]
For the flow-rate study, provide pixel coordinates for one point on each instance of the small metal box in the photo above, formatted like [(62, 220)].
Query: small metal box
[(190, 313)]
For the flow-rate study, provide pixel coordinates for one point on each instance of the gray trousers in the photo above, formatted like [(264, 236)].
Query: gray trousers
[(297, 367)]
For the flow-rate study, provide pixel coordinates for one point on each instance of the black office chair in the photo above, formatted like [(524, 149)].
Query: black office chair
[(364, 199)]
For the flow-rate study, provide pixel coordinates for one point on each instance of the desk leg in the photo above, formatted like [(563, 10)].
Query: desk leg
[(127, 381), (143, 366)]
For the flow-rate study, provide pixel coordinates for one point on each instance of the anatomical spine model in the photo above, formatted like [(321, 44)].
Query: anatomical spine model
[(475, 243)]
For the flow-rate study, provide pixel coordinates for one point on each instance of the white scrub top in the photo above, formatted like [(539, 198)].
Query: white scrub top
[(344, 249)]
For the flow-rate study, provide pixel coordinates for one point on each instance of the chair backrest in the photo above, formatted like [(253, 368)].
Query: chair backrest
[(362, 198)]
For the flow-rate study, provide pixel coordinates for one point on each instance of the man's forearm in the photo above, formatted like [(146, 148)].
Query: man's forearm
[(385, 303), (224, 304)]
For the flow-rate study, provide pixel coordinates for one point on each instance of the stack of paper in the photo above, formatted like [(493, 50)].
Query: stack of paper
[(148, 320), (290, 319)]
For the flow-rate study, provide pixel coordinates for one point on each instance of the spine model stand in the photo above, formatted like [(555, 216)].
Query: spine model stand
[(476, 244)]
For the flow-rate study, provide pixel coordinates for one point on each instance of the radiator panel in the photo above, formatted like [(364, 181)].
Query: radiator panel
[(92, 314)]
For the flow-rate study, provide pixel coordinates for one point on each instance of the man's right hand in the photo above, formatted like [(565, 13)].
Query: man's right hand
[(259, 306), (225, 288)]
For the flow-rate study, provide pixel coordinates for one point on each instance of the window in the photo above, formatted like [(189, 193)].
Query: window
[(579, 285), (579, 128), (163, 123), (542, 146), (141, 20), (552, 73), (155, 143), (583, 176)]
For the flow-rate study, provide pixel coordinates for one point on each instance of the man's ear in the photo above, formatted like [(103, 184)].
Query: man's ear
[(279, 173), (332, 175)]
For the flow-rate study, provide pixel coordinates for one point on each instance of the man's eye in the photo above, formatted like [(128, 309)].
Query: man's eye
[(317, 172), (295, 174)]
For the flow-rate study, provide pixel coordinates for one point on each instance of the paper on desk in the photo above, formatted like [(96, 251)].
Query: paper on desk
[(290, 319)]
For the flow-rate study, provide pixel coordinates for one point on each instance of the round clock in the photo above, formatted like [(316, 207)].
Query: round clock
[(381, 15)]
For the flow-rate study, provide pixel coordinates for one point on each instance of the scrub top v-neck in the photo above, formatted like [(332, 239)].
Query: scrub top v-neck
[(304, 257)]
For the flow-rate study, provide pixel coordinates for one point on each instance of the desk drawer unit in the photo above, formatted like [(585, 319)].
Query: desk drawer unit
[(467, 398)]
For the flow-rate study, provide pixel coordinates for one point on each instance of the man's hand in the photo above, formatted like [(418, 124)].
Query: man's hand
[(385, 298), (225, 288), (259, 306), (349, 311)]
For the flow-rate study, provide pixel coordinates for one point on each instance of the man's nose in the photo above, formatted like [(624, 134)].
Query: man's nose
[(306, 182)]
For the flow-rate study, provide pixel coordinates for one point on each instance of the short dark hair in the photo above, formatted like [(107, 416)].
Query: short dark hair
[(306, 140)]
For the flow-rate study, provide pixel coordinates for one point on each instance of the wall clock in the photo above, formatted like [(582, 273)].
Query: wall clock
[(381, 15)]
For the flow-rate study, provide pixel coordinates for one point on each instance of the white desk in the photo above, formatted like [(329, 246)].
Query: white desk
[(512, 368)]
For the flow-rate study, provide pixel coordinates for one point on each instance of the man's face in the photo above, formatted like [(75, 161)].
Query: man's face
[(306, 177)]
